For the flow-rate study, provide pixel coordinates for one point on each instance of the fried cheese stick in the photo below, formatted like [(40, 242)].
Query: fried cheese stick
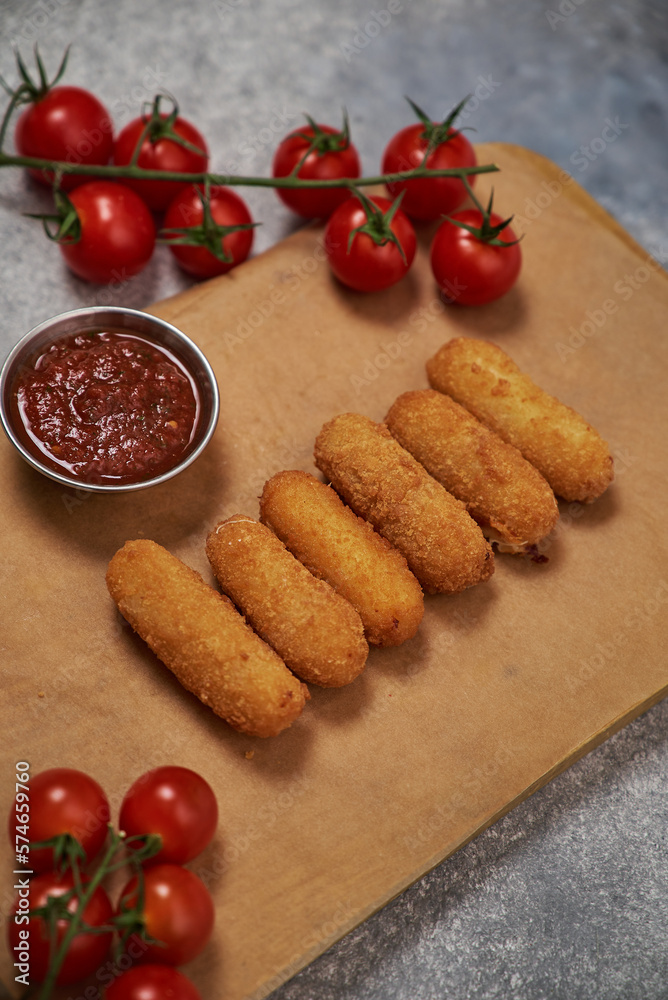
[(560, 443), (315, 631), (501, 490), (204, 640), (383, 483), (337, 546)]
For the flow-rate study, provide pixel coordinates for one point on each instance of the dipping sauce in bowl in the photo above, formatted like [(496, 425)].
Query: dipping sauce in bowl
[(107, 404), (114, 406)]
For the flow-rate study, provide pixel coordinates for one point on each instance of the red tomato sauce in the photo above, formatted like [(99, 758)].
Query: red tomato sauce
[(107, 406)]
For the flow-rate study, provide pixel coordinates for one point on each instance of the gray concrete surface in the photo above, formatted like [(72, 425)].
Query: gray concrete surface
[(567, 897)]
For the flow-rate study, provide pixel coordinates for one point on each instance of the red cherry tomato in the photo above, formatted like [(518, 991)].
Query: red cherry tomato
[(367, 266), (117, 233), (469, 271), (60, 800), (152, 982), (68, 124), (227, 209), (428, 198), (178, 911), (164, 154), (86, 952), (175, 803), (341, 161)]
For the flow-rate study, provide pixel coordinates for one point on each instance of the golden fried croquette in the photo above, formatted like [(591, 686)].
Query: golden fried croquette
[(501, 490), (569, 453), (204, 640), (378, 478), (315, 631), (337, 546)]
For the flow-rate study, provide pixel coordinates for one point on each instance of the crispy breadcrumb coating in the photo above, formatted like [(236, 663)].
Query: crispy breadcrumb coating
[(501, 490), (315, 631), (443, 545), (560, 443), (337, 546), (204, 640)]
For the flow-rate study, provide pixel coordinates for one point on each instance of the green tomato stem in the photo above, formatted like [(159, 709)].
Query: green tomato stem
[(14, 103), (75, 923), (472, 196), (113, 172)]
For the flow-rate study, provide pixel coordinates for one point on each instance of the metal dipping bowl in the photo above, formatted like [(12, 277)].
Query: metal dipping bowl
[(133, 320)]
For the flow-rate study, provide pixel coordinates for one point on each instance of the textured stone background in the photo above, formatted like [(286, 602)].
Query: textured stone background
[(567, 897)]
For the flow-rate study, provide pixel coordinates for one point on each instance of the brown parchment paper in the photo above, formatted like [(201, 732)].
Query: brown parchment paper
[(503, 686)]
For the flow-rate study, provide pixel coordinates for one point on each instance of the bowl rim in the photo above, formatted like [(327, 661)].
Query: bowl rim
[(88, 316)]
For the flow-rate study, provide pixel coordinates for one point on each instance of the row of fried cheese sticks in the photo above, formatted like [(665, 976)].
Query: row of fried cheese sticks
[(328, 570)]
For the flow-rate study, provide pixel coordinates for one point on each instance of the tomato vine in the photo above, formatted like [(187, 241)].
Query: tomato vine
[(28, 91), (66, 922)]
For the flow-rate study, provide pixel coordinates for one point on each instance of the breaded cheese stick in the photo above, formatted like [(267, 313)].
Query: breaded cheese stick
[(340, 547), (378, 478), (204, 640), (501, 490), (560, 443), (315, 631)]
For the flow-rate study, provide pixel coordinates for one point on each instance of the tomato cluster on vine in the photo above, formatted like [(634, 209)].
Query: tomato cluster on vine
[(64, 925), (106, 229)]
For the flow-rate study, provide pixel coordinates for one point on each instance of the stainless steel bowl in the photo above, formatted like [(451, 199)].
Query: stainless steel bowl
[(97, 317)]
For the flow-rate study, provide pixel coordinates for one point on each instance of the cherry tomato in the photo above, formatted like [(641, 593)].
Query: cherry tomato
[(178, 911), (175, 803), (69, 124), (367, 266), (86, 952), (117, 233), (61, 800), (330, 159), (227, 209), (163, 154), (152, 982), (429, 197), (470, 271)]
